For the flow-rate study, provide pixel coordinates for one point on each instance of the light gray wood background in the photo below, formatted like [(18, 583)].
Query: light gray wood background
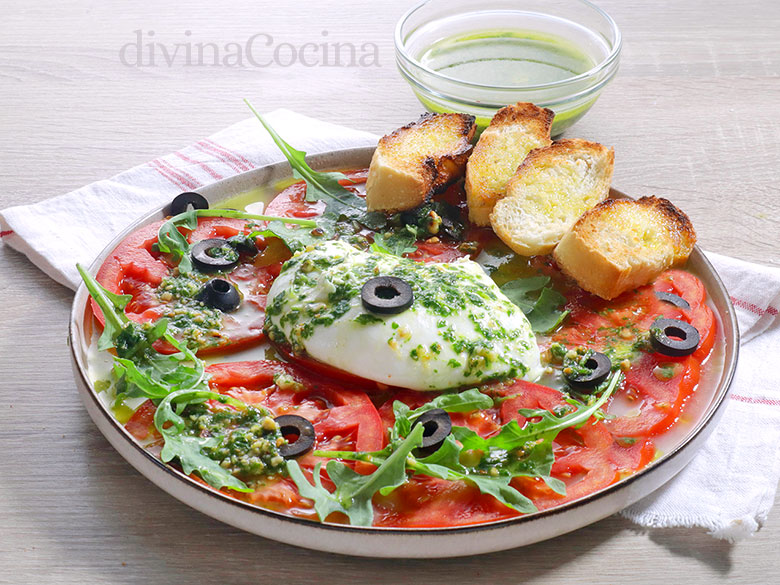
[(693, 116)]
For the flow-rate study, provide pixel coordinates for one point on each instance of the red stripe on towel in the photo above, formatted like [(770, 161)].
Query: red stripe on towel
[(214, 174), (230, 152), (218, 156), (185, 177), (753, 308), (6, 233), (166, 175), (225, 156), (752, 400)]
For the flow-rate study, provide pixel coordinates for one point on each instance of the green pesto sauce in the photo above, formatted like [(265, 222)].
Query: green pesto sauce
[(249, 439), (439, 289), (188, 318)]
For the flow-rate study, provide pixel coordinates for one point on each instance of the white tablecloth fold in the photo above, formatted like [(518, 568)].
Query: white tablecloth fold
[(728, 488)]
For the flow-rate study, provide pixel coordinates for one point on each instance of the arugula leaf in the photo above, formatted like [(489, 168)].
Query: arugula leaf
[(295, 237), (171, 241), (325, 502), (512, 452), (466, 401), (173, 379), (319, 186), (512, 436), (398, 243), (354, 492), (519, 291), (111, 305), (545, 314), (340, 203), (188, 449), (542, 309)]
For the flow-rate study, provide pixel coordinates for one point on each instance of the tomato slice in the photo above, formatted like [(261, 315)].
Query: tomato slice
[(656, 386), (581, 460), (429, 502), (343, 419), (432, 502), (690, 288), (334, 410), (648, 403), (134, 268), (141, 424), (291, 202), (322, 369)]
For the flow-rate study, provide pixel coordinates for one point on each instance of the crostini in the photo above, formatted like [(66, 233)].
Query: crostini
[(514, 131), (551, 189), (416, 161), (621, 244)]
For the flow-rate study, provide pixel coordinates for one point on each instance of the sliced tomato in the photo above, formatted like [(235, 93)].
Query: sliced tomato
[(134, 268), (431, 502), (427, 502), (291, 202), (343, 418), (587, 459), (141, 424), (690, 288), (649, 404), (582, 462), (322, 369), (596, 323)]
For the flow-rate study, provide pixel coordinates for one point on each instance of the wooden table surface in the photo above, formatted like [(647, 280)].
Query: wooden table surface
[(693, 116)]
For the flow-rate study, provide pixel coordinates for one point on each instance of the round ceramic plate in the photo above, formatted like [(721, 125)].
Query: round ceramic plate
[(704, 411)]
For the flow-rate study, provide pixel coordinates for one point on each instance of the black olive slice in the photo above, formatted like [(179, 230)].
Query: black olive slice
[(214, 254), (299, 433), (220, 294), (676, 300), (243, 244), (598, 366), (183, 201), (387, 295), (673, 337), (437, 426)]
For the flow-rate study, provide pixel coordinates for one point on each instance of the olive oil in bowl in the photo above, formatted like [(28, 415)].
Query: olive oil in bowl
[(507, 58), (460, 56)]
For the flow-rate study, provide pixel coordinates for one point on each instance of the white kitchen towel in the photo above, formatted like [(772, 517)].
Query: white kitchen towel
[(87, 219), (728, 488)]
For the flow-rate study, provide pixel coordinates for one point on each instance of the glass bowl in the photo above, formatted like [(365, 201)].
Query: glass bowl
[(477, 57)]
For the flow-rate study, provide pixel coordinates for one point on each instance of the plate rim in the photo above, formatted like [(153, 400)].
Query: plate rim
[(697, 434)]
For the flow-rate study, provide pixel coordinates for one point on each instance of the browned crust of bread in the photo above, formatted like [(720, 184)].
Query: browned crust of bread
[(437, 169), (679, 224), (522, 112), (681, 227), (581, 255)]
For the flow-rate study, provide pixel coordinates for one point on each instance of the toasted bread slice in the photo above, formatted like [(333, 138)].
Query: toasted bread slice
[(622, 244), (514, 131), (418, 160), (551, 189)]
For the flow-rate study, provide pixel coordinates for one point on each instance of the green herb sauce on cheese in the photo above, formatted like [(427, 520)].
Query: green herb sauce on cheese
[(460, 329)]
